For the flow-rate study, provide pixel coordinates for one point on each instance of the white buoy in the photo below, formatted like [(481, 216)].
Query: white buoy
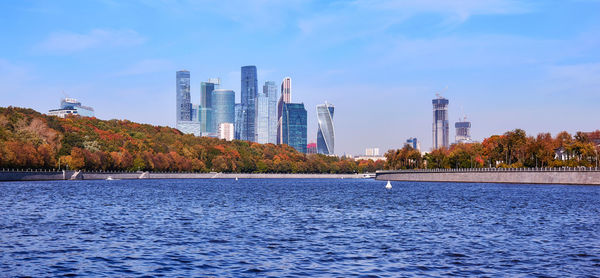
[(236, 178), (388, 185)]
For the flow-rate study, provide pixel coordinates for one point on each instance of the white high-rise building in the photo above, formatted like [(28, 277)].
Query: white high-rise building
[(372, 152)]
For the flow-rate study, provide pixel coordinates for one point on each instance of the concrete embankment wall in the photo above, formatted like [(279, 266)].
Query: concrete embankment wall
[(531, 177), (34, 175), (31, 176)]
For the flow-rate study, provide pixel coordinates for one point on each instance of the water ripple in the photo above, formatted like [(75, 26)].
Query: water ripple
[(291, 228)]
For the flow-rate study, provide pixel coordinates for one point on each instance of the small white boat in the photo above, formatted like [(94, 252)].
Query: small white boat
[(388, 185), (109, 178), (236, 178)]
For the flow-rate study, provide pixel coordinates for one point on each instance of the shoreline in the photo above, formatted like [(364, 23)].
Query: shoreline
[(82, 175)]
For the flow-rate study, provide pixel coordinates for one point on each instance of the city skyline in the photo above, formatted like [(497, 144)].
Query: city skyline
[(504, 61)]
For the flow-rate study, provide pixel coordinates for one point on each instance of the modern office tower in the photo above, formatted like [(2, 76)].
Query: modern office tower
[(270, 89), (325, 132), (286, 97), (294, 126), (206, 117), (70, 106), (441, 128), (226, 131), (206, 91), (372, 152), (463, 131), (223, 107), (262, 118), (184, 104), (238, 121), (413, 143), (311, 148), (249, 85)]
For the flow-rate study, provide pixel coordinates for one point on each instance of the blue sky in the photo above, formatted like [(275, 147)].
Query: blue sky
[(507, 64)]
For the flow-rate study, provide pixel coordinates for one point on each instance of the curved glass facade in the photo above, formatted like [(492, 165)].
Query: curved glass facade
[(325, 133), (223, 107)]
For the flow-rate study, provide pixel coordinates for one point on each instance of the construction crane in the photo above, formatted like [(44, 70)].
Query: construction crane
[(439, 94)]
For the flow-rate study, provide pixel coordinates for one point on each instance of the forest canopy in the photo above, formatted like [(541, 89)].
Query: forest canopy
[(29, 139)]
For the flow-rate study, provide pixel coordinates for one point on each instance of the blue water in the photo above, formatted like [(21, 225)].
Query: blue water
[(297, 228)]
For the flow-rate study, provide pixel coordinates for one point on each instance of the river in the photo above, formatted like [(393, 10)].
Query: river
[(297, 227)]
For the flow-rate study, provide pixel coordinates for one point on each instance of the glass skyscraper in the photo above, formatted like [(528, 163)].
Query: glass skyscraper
[(286, 97), (294, 126), (249, 86), (262, 118), (206, 118), (183, 98), (325, 132), (237, 126), (270, 89), (223, 106), (441, 128)]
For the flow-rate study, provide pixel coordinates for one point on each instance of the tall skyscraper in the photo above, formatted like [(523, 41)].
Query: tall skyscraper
[(441, 128), (286, 97), (223, 106), (294, 126), (262, 118), (325, 132), (270, 89), (183, 98), (249, 86), (463, 131), (206, 118), (237, 125)]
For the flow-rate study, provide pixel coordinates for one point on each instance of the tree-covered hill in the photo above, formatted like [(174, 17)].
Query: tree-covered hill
[(29, 139)]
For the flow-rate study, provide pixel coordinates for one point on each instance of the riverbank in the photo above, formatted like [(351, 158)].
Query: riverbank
[(82, 175), (583, 176)]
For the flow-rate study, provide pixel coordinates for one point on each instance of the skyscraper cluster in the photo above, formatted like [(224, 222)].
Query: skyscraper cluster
[(262, 116), (214, 112)]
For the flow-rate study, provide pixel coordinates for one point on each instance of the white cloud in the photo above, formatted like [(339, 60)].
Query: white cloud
[(65, 42)]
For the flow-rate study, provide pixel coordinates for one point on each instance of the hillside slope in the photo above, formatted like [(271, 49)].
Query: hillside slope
[(29, 139)]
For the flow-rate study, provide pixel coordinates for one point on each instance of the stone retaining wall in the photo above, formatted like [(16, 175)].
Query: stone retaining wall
[(532, 177)]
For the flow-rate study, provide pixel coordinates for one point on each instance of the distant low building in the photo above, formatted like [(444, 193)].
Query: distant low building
[(372, 152), (413, 143), (226, 131), (369, 157), (311, 148), (70, 106)]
